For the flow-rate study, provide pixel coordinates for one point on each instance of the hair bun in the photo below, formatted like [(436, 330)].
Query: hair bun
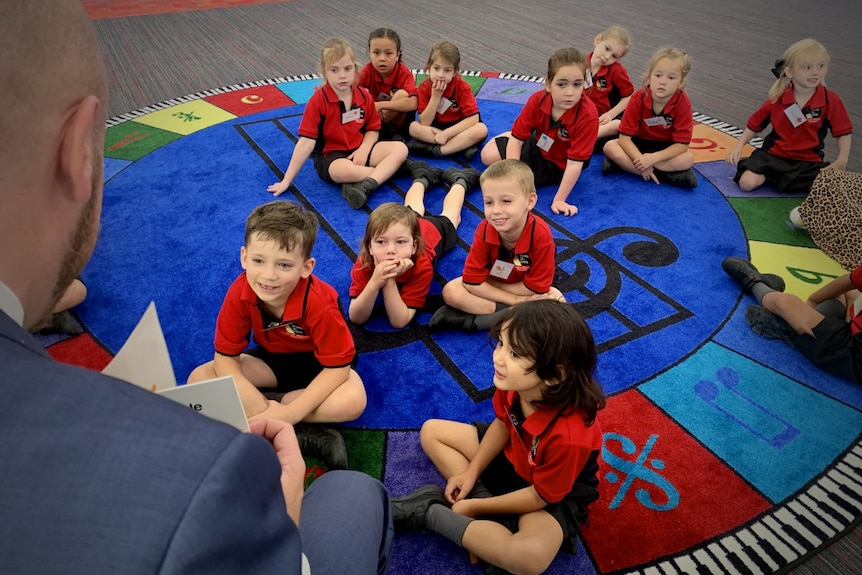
[(778, 70)]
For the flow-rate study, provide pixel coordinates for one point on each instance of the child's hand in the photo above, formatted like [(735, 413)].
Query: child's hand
[(438, 87), (644, 162), (733, 155), (440, 137), (278, 188), (605, 118), (359, 157), (465, 507), (403, 265), (836, 165), (561, 207), (383, 272), (649, 174), (458, 487)]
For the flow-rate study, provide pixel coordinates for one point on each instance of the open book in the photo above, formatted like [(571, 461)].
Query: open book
[(144, 361)]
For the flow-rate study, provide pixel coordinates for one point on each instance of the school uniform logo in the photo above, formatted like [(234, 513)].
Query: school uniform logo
[(813, 114), (294, 329), (563, 133), (521, 262), (601, 83)]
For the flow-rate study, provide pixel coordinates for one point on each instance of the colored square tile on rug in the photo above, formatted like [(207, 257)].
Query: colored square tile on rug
[(251, 100), (721, 174), (186, 118), (768, 220), (132, 141), (512, 91), (300, 91), (709, 144), (804, 269), (774, 432), (660, 491)]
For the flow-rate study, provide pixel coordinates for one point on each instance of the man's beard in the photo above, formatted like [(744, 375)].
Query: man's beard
[(78, 249)]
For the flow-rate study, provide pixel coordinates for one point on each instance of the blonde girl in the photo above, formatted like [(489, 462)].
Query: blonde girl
[(608, 84), (657, 125), (343, 145), (800, 109)]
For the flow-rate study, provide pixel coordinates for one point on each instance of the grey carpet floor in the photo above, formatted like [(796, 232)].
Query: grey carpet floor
[(732, 44)]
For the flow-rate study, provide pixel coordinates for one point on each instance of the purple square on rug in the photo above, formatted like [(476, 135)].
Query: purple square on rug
[(720, 174), (407, 466)]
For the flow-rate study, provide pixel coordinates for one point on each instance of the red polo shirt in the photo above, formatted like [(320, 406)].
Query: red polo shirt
[(323, 120), (674, 124), (381, 89), (413, 284), (534, 252), (574, 134), (610, 85), (824, 112), (312, 321), (855, 312), (563, 446), (459, 92)]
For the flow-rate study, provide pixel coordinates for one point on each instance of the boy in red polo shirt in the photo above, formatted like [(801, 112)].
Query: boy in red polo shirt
[(305, 353), (511, 259)]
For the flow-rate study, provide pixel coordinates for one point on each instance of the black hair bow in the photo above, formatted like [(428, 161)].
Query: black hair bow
[(778, 70)]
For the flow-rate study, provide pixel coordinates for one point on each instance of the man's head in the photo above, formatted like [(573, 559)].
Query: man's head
[(52, 93)]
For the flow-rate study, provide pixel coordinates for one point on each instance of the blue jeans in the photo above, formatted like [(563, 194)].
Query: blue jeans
[(346, 525)]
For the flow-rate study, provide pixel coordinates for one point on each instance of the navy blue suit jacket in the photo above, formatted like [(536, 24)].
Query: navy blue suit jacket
[(100, 476)]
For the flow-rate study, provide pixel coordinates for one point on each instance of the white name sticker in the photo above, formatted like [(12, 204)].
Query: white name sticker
[(351, 115), (588, 79), (502, 269), (795, 115), (545, 142), (655, 121), (445, 104)]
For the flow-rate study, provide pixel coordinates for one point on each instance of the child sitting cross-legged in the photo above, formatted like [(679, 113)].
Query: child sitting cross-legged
[(305, 353)]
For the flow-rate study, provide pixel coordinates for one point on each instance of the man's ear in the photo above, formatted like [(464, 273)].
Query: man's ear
[(77, 149)]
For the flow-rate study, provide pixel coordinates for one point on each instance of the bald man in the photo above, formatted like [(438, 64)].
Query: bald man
[(97, 475)]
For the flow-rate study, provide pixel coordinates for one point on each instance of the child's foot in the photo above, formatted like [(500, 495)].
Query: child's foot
[(419, 148), (608, 167), (467, 177), (323, 443), (745, 274), (422, 172), (470, 152), (681, 179), (766, 324), (357, 193), (408, 512), (448, 317)]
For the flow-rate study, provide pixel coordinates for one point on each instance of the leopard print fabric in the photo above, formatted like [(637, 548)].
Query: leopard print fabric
[(832, 213)]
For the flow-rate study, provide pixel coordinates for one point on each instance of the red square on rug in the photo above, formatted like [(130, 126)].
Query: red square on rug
[(661, 491), (251, 100), (81, 350)]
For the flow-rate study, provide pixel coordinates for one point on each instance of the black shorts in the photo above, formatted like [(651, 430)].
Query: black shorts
[(786, 175), (446, 125), (545, 173), (322, 163), (448, 235), (651, 146), (833, 348), (500, 478)]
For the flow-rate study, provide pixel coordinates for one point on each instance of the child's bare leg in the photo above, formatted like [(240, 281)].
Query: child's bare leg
[(609, 130), (422, 133), (386, 158), (345, 403), (801, 316), (415, 197), (457, 296), (749, 181), (463, 140), (452, 204), (678, 163), (490, 152), (530, 550), (450, 445), (614, 152), (256, 375)]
